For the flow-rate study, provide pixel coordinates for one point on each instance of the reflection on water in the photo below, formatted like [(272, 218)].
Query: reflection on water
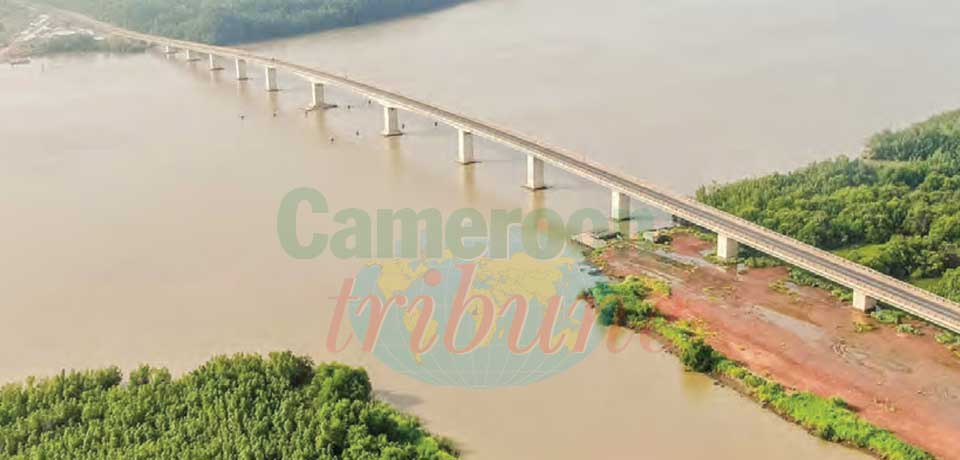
[(139, 194)]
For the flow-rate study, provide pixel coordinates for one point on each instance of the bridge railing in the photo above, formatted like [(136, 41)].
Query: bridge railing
[(682, 206)]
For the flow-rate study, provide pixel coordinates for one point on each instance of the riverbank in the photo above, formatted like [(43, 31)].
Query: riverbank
[(804, 339), (29, 32)]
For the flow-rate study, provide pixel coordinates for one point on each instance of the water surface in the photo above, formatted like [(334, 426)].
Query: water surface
[(139, 210)]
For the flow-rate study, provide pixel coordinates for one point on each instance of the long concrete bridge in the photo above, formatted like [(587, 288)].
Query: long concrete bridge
[(869, 286)]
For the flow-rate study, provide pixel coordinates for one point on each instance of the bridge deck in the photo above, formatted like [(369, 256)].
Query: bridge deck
[(874, 284)]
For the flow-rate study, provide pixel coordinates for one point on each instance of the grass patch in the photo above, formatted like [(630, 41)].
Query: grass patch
[(692, 231), (762, 261), (929, 284), (860, 252), (828, 418), (948, 338), (862, 327), (889, 316), (712, 258), (780, 286), (908, 329), (805, 278)]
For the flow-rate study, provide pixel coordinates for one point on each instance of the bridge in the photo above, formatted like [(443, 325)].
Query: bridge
[(869, 286)]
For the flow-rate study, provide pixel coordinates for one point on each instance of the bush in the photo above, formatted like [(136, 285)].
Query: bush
[(889, 315), (908, 329), (697, 356), (624, 303), (769, 392), (948, 338), (730, 369)]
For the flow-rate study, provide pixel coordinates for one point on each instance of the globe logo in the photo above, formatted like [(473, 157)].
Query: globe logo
[(480, 323)]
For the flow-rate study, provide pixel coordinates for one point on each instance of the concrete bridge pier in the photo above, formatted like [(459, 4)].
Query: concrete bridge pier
[(727, 248), (465, 154), (271, 78), (241, 69), (863, 302), (391, 124), (619, 206), (241, 66), (534, 173), (191, 56), (319, 99), (213, 63), (169, 50)]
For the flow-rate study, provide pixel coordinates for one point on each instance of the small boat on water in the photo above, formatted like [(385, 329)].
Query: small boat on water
[(21, 61)]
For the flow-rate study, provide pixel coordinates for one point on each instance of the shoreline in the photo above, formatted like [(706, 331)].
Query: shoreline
[(770, 350), (45, 32), (358, 22), (742, 389), (802, 352)]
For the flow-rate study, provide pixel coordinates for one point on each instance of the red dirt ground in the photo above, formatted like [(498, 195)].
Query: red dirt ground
[(805, 339)]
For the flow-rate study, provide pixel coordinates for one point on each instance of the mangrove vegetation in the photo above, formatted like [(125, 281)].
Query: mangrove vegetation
[(241, 407), (895, 209)]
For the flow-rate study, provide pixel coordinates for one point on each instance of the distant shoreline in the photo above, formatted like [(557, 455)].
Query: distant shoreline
[(68, 38), (217, 24)]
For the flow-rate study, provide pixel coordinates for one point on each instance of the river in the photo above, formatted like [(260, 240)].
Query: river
[(140, 210)]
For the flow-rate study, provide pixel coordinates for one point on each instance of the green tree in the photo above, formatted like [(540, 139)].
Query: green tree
[(949, 286)]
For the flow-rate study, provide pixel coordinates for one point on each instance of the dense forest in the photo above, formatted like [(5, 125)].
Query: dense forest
[(233, 21), (241, 407), (895, 209)]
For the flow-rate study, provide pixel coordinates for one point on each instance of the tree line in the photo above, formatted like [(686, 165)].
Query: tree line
[(895, 209), (224, 22), (241, 407)]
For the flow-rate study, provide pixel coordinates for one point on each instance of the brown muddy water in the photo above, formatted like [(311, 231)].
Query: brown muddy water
[(139, 211)]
